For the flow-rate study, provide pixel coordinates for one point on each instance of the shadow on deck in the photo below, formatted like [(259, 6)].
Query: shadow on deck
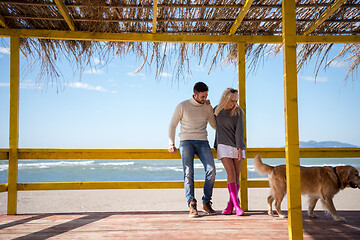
[(172, 225)]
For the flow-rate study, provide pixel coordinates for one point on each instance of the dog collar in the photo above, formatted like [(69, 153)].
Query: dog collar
[(337, 176)]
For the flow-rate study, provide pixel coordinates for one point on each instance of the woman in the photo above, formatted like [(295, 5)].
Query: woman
[(230, 145)]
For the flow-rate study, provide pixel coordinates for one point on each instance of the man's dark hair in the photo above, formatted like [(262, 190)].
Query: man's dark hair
[(200, 87)]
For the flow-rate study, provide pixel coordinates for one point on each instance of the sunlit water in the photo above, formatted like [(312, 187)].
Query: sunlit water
[(134, 170)]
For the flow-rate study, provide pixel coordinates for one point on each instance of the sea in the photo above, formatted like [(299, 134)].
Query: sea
[(135, 170)]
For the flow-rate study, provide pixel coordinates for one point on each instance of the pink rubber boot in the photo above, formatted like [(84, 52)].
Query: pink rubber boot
[(233, 189), (228, 210), (237, 194)]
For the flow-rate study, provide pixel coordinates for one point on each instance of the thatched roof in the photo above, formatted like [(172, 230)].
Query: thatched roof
[(176, 17)]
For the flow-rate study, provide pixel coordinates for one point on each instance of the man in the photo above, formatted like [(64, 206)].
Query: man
[(194, 115)]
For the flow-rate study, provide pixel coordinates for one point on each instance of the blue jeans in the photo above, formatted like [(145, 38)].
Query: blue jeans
[(188, 149)]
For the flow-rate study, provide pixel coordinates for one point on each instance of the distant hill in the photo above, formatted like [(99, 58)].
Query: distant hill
[(310, 144)]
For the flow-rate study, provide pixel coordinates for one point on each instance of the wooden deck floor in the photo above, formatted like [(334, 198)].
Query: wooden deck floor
[(172, 225)]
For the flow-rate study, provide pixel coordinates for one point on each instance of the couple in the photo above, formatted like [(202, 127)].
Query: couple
[(226, 118)]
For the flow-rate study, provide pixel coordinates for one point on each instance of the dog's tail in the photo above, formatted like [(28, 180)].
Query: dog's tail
[(261, 167)]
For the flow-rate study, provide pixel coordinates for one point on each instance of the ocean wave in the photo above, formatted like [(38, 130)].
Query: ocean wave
[(251, 169), (3, 168), (199, 165), (323, 165), (176, 169), (54, 164), (117, 164)]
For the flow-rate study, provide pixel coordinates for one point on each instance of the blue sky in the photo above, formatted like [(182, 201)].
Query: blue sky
[(112, 107)]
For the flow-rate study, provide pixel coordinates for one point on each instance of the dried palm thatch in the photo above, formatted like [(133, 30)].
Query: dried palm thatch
[(190, 17)]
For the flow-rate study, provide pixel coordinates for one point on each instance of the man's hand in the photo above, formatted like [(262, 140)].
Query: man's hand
[(172, 149), (207, 102)]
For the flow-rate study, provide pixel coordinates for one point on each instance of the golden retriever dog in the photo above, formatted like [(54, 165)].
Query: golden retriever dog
[(316, 182)]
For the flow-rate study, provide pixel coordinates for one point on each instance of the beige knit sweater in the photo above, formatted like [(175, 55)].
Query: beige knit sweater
[(193, 117)]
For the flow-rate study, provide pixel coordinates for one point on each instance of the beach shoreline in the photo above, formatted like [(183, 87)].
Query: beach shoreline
[(129, 200)]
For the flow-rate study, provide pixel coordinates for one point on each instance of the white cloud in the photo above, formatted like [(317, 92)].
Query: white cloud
[(98, 61), (86, 86), (135, 86), (165, 74), (94, 71), (169, 46), (313, 79), (29, 85), (200, 68), (338, 64), (133, 74), (4, 50), (24, 85)]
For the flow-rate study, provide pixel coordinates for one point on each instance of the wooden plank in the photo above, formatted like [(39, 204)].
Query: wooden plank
[(327, 13), (242, 103), (328, 39), (292, 152), (240, 17), (38, 153), (330, 152), (3, 22), (64, 12), (171, 225), (127, 185), (4, 154), (4, 187), (140, 37), (14, 124), (154, 17), (137, 37)]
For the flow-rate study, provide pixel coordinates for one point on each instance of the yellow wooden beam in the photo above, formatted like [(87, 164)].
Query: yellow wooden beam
[(112, 185), (292, 153), (266, 152), (143, 37), (38, 153), (240, 17), (242, 103), (328, 39), (14, 125), (136, 37), (327, 13), (306, 152), (330, 152), (98, 154), (154, 16), (64, 12), (4, 154), (3, 187), (3, 22), (258, 184), (124, 185)]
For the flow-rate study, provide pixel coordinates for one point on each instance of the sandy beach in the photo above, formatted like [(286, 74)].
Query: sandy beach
[(128, 200)]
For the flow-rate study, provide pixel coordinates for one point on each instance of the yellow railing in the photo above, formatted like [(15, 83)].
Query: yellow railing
[(25, 153)]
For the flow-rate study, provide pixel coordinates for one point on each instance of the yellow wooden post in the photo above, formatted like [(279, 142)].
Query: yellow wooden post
[(242, 103), (14, 125), (154, 16), (292, 152)]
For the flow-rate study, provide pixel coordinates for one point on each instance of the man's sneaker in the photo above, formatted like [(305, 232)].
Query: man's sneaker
[(193, 211), (208, 209)]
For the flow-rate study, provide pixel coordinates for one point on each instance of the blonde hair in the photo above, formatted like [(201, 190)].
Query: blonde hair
[(228, 94)]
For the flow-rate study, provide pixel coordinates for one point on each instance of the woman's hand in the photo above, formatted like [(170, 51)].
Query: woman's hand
[(240, 154)]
